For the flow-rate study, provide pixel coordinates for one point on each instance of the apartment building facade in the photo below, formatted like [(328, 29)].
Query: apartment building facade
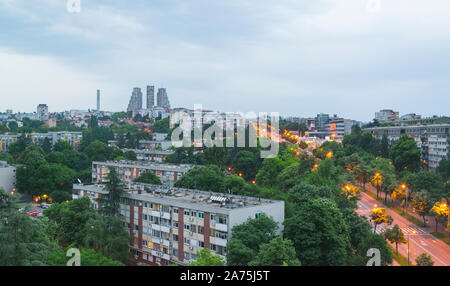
[(433, 140), (169, 225), (73, 138), (151, 155), (7, 177), (128, 171)]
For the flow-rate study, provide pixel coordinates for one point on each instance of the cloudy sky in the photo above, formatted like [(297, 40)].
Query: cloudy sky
[(296, 57)]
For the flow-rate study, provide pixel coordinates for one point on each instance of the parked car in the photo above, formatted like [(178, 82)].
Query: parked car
[(44, 206), (34, 213)]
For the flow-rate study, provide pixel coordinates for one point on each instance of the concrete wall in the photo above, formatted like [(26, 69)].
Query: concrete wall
[(7, 177)]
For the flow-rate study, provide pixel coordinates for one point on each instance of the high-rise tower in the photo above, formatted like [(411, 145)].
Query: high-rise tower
[(98, 99), (162, 98), (150, 96), (135, 103)]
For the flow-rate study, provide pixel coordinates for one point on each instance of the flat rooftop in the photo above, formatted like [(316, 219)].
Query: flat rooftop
[(145, 165), (180, 196)]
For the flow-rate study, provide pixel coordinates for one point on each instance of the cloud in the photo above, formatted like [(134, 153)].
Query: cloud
[(296, 57)]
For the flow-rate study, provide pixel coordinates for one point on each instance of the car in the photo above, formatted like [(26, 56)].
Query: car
[(34, 213), (44, 206)]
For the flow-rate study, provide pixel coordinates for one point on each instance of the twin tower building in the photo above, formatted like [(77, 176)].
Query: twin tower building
[(162, 100)]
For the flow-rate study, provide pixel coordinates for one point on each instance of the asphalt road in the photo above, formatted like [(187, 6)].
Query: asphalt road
[(420, 240)]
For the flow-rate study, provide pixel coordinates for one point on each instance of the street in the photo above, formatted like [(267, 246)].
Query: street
[(420, 240)]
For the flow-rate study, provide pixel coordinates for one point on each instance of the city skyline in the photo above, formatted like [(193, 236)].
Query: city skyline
[(325, 56)]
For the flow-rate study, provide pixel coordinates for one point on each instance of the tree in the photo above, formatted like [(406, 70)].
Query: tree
[(424, 260), (206, 178), (247, 237), (373, 240), (246, 164), (444, 169), (276, 252), (46, 145), (106, 235), (379, 216), (98, 151), (319, 233), (384, 146), (206, 258), (111, 201), (267, 175), (148, 178), (88, 258), (421, 204), (440, 211), (405, 154), (130, 155), (70, 219), (23, 240), (395, 235)]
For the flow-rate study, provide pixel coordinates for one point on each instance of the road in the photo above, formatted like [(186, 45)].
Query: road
[(420, 240)]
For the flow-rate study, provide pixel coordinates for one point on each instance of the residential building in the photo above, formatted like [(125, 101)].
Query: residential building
[(7, 177), (432, 139), (151, 155), (135, 103), (170, 225), (98, 99), (74, 138), (146, 144), (150, 96), (128, 171), (162, 98), (386, 115), (42, 112)]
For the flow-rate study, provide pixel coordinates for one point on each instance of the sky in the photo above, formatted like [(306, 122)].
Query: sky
[(296, 57)]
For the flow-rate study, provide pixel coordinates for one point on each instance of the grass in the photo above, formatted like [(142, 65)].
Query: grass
[(403, 261), (441, 236)]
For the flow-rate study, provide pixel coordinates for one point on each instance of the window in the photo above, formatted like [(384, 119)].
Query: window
[(201, 229), (175, 210), (201, 244), (186, 212), (193, 213), (175, 237), (201, 215), (187, 241), (187, 226), (175, 224)]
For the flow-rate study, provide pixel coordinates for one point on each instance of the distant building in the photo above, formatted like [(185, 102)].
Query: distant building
[(150, 96), (42, 112), (321, 121), (386, 115), (98, 99), (50, 123), (73, 138), (410, 116), (7, 177), (162, 98), (432, 139), (151, 155), (130, 170), (170, 225), (135, 103)]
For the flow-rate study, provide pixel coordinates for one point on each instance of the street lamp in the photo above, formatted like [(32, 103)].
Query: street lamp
[(413, 232)]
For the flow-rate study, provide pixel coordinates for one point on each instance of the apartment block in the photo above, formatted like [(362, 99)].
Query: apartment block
[(73, 138), (169, 225), (7, 177), (128, 171), (151, 155), (433, 139)]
